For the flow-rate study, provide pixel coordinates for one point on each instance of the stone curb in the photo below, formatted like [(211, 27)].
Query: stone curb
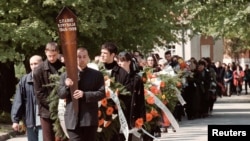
[(234, 99), (8, 135)]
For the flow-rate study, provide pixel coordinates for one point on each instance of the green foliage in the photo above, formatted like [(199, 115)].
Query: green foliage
[(53, 100), (26, 26), (107, 132), (5, 117), (9, 54), (223, 18), (19, 70), (169, 90)]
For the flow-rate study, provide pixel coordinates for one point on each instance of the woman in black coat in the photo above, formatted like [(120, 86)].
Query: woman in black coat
[(135, 103)]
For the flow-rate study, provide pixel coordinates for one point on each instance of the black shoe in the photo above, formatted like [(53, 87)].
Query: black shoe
[(174, 130), (190, 118), (157, 134), (164, 129)]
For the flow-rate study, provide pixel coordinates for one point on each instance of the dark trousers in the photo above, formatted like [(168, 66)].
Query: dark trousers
[(116, 137), (238, 88), (87, 133), (47, 128), (247, 83), (233, 88), (121, 137), (32, 134)]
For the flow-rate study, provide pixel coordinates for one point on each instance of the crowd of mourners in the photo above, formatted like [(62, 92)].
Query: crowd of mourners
[(209, 80)]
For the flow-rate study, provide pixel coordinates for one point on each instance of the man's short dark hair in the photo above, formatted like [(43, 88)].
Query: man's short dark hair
[(168, 52), (140, 54), (201, 62)]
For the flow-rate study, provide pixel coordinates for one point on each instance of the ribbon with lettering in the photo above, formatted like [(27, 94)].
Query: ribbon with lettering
[(180, 98), (61, 112), (165, 110), (124, 125)]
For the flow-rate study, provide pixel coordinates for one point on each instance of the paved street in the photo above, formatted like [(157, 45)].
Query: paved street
[(227, 111)]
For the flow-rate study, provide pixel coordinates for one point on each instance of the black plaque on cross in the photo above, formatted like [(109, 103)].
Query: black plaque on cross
[(67, 28)]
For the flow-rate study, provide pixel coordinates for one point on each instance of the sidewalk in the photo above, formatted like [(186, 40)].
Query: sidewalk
[(234, 110), (6, 132), (242, 98)]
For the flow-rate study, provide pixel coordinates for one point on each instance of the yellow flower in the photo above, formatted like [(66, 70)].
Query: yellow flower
[(163, 97)]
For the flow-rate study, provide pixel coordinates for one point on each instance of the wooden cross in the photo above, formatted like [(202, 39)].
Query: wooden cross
[(66, 22)]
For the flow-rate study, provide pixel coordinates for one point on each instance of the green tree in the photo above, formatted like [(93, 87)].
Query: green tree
[(27, 25), (221, 19)]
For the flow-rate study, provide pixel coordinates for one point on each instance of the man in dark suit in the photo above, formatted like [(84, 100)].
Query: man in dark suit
[(91, 89)]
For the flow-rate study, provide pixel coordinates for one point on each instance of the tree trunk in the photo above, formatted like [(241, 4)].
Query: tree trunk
[(8, 83)]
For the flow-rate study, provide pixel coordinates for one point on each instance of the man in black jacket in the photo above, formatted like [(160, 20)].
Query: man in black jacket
[(41, 80), (91, 89), (108, 53)]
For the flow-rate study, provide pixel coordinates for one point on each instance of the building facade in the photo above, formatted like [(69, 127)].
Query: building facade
[(198, 46)]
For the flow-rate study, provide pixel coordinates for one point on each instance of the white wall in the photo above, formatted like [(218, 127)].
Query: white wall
[(192, 48), (218, 50), (195, 47)]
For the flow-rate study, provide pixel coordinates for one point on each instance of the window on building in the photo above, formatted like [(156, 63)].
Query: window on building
[(171, 48)]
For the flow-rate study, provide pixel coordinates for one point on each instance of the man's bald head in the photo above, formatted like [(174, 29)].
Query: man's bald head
[(35, 60)]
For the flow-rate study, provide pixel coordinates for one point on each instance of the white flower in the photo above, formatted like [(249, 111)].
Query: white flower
[(93, 66), (107, 83), (99, 129), (157, 81), (99, 103), (114, 116), (168, 70)]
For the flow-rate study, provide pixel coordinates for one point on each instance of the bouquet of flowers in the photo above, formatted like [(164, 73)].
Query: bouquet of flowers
[(163, 87), (185, 72), (160, 90), (108, 110)]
